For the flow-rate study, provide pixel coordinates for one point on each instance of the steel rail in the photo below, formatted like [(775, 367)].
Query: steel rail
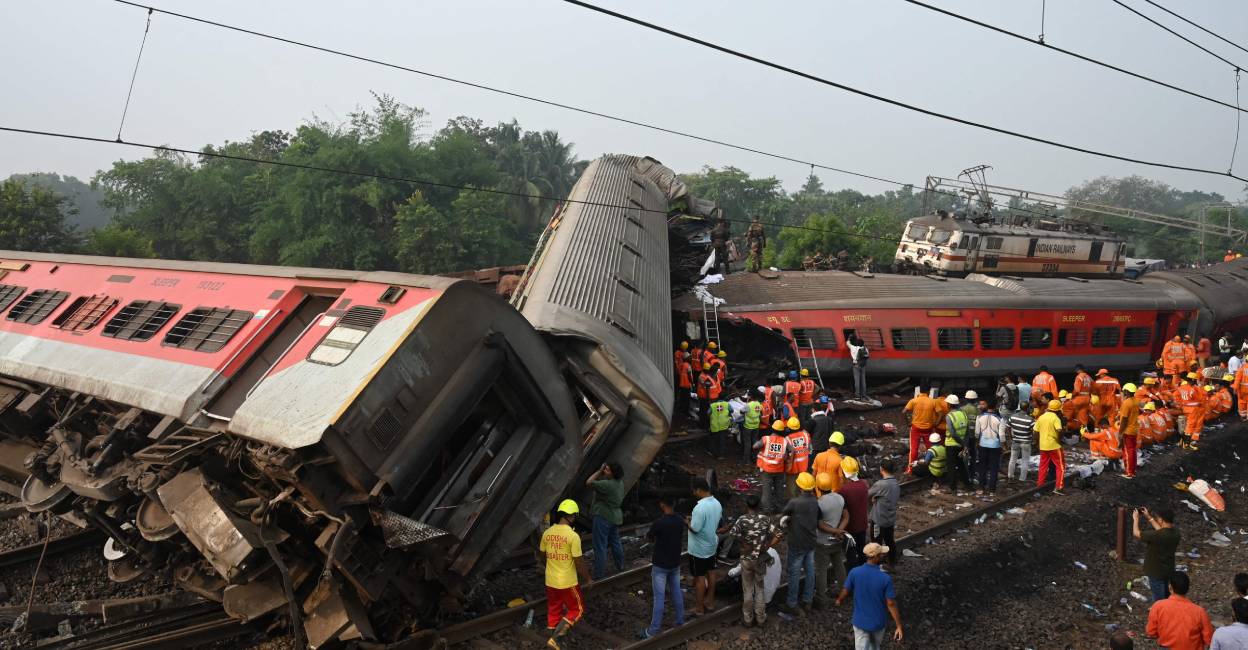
[(59, 546)]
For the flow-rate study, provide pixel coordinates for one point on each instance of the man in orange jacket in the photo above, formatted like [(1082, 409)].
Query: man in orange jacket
[(1106, 390), (1174, 357), (1240, 386), (1081, 395), (799, 454), (1191, 399), (1221, 401), (1043, 388), (684, 384), (773, 456), (922, 413), (1203, 349)]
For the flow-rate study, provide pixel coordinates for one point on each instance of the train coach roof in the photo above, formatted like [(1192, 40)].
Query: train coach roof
[(952, 223), (745, 292), (295, 272), (1222, 287)]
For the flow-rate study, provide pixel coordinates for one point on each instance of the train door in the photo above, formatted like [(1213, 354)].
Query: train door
[(1031, 247), (1094, 255), (972, 252)]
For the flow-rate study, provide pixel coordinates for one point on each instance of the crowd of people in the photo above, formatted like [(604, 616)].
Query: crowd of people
[(838, 531)]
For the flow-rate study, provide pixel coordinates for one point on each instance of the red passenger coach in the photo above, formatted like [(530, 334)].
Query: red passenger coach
[(945, 327)]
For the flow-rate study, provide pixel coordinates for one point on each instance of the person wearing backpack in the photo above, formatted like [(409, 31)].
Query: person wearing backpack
[(859, 353)]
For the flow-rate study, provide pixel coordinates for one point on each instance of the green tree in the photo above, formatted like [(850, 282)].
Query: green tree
[(82, 197), (115, 240), (821, 233), (474, 233), (33, 218)]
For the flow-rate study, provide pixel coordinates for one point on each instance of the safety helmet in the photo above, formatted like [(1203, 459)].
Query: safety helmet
[(569, 507), (712, 345), (1062, 394), (722, 355), (706, 366), (1150, 407), (1055, 405), (792, 374), (837, 438), (794, 424), (849, 466), (1095, 400), (934, 438), (1150, 381), (805, 372), (777, 426), (824, 482), (1130, 388), (823, 399), (1102, 372), (805, 481), (1228, 377), (952, 399), (1191, 375), (1208, 389), (684, 345), (970, 394)]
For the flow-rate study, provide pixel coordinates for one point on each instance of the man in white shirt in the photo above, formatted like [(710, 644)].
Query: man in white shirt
[(1232, 366)]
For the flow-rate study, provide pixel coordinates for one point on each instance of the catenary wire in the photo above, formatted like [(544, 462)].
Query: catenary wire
[(1081, 57), (468, 188), (134, 74), (888, 100), (1198, 26), (1189, 41)]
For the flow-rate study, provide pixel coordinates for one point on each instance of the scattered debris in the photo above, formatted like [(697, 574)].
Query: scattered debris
[(905, 552), (1016, 511), (1139, 596), (1081, 565)]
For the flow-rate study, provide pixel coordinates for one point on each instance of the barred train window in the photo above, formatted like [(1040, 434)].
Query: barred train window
[(9, 293), (206, 329), (346, 335), (996, 338), (140, 320), (1105, 337), (1035, 338), (955, 338), (1137, 337), (820, 338), (36, 306), (912, 339), (84, 313)]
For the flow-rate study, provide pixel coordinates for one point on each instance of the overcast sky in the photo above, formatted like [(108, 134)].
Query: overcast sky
[(67, 65)]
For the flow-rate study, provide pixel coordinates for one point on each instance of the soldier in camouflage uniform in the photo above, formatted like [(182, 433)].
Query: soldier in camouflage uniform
[(754, 533), (756, 237)]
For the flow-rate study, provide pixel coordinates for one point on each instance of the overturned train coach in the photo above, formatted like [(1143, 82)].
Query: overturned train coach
[(344, 448)]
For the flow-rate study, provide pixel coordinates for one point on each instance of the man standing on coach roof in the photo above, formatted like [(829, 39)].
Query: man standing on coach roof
[(703, 543), (874, 595), (561, 550)]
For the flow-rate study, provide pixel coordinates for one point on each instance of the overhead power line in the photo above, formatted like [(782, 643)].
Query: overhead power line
[(1041, 42), (1189, 41), (888, 100), (1197, 26)]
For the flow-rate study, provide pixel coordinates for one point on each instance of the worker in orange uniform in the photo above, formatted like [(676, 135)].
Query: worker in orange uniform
[(767, 409), (1081, 395), (793, 393), (684, 384), (799, 453), (922, 413), (942, 409), (1229, 257), (708, 354), (1103, 441), (1147, 391), (1049, 428), (1174, 357), (708, 390), (773, 453), (1240, 386), (1189, 352), (1148, 434), (1190, 400), (1129, 427), (1106, 388), (1221, 402), (1043, 384), (681, 352), (720, 365), (806, 397), (1203, 349), (829, 462)]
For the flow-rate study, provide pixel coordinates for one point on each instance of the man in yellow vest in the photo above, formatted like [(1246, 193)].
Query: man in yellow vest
[(957, 429), (933, 461), (773, 452)]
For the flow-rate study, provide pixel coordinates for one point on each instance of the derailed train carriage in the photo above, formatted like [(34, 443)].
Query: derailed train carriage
[(346, 448)]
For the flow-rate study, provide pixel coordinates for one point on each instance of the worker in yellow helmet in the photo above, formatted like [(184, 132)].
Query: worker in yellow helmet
[(1049, 428), (561, 551), (799, 453), (829, 462), (806, 398), (1129, 428)]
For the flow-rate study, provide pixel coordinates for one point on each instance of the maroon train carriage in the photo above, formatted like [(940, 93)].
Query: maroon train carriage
[(353, 443)]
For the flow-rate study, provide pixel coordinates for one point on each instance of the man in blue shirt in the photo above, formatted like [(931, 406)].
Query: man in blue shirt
[(703, 543), (873, 596)]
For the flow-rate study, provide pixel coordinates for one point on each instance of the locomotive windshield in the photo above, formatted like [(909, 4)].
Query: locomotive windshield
[(940, 236), (916, 232)]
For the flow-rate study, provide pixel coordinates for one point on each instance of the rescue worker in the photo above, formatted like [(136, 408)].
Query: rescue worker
[(1204, 349), (769, 409), (681, 352), (1240, 386), (1043, 384), (752, 425), (720, 235), (1173, 357), (806, 396), (708, 354), (829, 462), (1146, 391), (1049, 428), (709, 390), (1190, 401), (696, 356), (958, 428), (1230, 256), (1221, 401), (684, 384), (772, 456), (561, 551), (942, 410), (1106, 388), (1129, 427), (756, 239), (793, 393), (922, 413), (1189, 353), (721, 418), (1149, 433), (720, 365), (1103, 442), (1081, 395), (799, 454), (933, 461), (1068, 412)]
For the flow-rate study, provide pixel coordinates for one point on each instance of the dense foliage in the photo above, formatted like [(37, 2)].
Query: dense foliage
[(208, 208)]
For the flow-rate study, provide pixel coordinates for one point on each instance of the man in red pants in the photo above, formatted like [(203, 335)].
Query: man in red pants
[(561, 549), (1049, 426), (1129, 426), (922, 413)]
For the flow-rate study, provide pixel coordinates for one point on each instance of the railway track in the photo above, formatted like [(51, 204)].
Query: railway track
[(59, 546), (174, 629), (517, 617)]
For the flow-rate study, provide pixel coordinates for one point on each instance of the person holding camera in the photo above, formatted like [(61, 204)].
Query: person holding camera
[(1159, 546)]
